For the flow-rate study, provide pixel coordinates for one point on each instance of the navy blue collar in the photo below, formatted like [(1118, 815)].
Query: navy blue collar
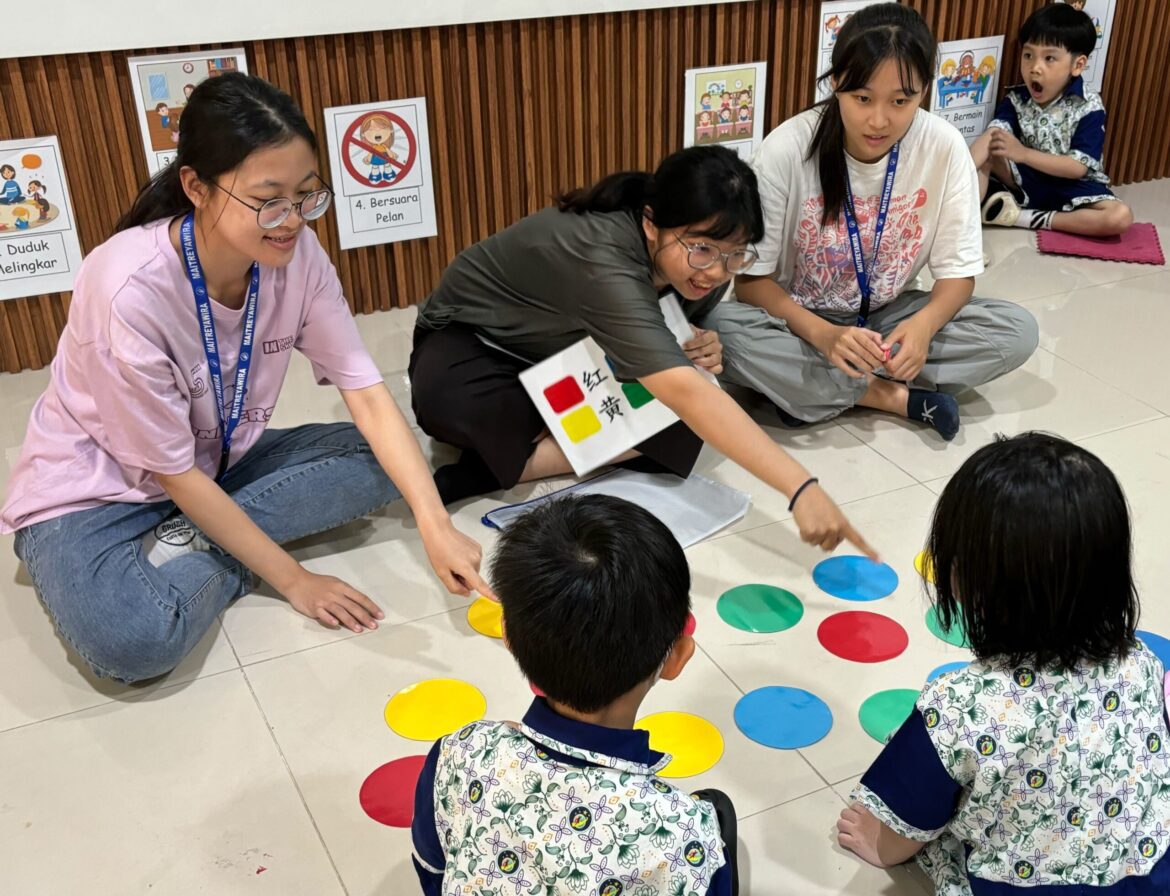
[(630, 744), (1076, 87)]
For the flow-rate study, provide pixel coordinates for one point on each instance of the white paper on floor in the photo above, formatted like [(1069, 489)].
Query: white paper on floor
[(693, 508)]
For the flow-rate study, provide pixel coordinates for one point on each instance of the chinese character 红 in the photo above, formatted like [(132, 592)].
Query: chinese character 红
[(594, 379)]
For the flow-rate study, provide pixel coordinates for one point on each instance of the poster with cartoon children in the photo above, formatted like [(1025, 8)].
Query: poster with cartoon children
[(1101, 12), (966, 81), (162, 85), (834, 14), (380, 158), (39, 250), (721, 106)]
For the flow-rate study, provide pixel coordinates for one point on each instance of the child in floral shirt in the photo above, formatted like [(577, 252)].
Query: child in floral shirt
[(1044, 764), (1040, 159), (595, 594)]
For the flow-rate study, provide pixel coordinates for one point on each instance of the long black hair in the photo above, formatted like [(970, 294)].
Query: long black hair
[(700, 183), (870, 37), (1032, 550), (226, 119)]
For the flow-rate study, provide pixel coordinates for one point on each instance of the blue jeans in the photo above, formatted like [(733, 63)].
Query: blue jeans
[(130, 620)]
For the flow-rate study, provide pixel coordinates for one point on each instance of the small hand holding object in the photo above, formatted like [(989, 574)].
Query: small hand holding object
[(705, 350), (853, 350), (912, 339)]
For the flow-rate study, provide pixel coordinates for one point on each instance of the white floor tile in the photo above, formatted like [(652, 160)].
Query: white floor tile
[(178, 792)]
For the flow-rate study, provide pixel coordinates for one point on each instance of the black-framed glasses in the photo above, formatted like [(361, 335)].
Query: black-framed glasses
[(275, 212), (700, 256)]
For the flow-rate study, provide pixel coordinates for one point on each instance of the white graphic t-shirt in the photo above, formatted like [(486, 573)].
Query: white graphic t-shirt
[(933, 218)]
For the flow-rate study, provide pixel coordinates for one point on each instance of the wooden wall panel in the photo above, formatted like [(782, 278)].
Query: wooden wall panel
[(518, 111)]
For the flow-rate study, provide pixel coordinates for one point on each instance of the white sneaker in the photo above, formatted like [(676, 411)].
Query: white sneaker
[(170, 539), (1009, 211)]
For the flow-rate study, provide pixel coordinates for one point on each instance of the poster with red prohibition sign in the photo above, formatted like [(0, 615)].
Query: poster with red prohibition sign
[(380, 158)]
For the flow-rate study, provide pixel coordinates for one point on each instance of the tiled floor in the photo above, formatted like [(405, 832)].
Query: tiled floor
[(250, 756)]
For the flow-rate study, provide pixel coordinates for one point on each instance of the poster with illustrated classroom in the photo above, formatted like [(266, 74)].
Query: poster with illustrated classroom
[(725, 106), (966, 83), (162, 85)]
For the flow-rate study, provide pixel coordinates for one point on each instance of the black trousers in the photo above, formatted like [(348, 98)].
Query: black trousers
[(469, 395)]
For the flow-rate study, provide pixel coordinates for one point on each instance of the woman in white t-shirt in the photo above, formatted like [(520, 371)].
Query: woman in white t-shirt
[(860, 193)]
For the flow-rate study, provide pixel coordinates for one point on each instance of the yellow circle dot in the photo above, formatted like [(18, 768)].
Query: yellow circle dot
[(433, 708), (486, 616), (924, 566), (694, 744)]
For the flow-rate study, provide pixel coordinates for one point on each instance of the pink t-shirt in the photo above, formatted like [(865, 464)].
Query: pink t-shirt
[(129, 393)]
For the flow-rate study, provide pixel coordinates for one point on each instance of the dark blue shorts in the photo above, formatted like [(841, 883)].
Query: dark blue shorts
[(1044, 192)]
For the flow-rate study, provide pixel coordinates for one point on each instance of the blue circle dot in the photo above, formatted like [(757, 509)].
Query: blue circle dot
[(1158, 644), (944, 669), (855, 578), (784, 718)]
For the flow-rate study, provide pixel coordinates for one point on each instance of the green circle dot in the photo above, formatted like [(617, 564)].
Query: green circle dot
[(760, 608), (955, 635), (883, 713)]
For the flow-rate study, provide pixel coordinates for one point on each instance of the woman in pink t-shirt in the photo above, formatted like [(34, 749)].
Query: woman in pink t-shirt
[(149, 490)]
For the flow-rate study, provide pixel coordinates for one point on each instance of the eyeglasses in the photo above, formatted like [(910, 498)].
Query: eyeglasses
[(700, 256), (275, 212)]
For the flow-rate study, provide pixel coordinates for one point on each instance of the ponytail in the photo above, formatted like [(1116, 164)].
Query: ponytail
[(701, 184), (626, 190), (828, 145), (161, 197)]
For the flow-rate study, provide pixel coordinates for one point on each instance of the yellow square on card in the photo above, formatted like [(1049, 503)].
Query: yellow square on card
[(581, 424)]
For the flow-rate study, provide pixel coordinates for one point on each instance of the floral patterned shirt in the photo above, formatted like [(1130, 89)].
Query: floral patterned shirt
[(1032, 778), (1072, 125), (556, 806)]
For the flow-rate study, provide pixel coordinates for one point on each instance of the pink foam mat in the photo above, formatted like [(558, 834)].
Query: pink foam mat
[(1139, 245)]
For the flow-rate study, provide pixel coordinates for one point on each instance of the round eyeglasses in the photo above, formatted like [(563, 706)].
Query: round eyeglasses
[(275, 212), (700, 256)]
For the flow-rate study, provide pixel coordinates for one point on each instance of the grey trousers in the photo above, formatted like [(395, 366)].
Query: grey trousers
[(985, 340)]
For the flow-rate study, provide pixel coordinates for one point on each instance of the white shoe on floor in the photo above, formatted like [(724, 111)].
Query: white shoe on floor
[(1008, 213), (170, 539)]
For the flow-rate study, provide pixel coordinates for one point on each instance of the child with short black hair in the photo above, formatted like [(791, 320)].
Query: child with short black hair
[(595, 593), (1040, 158), (1043, 764)]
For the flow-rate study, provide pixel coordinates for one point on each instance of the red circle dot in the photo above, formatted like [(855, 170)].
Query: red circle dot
[(689, 628), (535, 689), (387, 795), (862, 637)]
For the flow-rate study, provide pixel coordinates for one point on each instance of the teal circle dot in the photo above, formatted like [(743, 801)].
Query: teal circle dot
[(955, 635), (760, 608), (883, 713)]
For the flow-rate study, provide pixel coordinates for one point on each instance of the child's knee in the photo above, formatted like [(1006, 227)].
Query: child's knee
[(1119, 217)]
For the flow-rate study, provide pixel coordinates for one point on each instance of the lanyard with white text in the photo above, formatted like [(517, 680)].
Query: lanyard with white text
[(865, 272), (231, 420)]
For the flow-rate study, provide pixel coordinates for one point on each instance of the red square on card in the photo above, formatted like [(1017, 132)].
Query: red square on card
[(563, 394)]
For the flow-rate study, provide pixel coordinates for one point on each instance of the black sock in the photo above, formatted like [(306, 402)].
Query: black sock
[(467, 477), (788, 420), (936, 408)]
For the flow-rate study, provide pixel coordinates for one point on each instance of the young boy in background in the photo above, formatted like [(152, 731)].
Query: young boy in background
[(1040, 159)]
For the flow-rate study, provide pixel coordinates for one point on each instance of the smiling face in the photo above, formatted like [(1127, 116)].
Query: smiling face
[(671, 258), (287, 170), (1046, 71), (879, 114)]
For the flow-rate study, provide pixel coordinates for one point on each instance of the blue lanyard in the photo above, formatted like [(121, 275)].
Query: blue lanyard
[(211, 347), (864, 272)]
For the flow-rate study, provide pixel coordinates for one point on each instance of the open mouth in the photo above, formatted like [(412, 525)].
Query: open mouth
[(1036, 87), (698, 286)]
